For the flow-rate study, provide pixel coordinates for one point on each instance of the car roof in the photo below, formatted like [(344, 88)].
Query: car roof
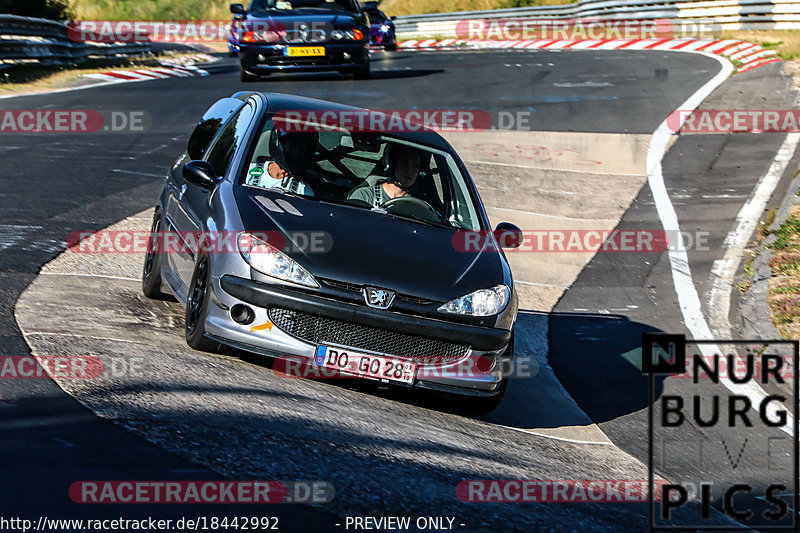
[(278, 101)]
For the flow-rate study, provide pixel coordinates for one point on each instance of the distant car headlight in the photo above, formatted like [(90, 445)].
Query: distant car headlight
[(483, 302), (385, 28), (268, 260)]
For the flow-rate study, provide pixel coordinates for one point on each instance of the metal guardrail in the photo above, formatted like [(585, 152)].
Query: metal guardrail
[(727, 14), (47, 42)]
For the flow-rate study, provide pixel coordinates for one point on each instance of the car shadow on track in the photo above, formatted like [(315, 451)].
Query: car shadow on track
[(333, 76), (589, 374), (597, 358)]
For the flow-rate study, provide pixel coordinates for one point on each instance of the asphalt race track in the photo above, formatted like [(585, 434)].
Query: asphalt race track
[(580, 413)]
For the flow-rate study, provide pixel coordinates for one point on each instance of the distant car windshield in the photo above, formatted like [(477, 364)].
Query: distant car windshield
[(293, 5), (360, 169), (377, 16)]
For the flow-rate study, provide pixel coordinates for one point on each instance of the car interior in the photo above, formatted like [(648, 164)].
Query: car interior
[(344, 161)]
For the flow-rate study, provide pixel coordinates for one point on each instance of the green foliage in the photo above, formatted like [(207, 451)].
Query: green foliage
[(788, 231), (45, 9), (150, 10)]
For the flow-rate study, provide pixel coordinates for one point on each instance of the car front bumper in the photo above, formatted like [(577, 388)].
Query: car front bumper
[(454, 374), (266, 58)]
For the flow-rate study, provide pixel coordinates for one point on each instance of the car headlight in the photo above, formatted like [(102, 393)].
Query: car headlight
[(260, 37), (385, 28), (270, 261), (352, 35), (484, 302)]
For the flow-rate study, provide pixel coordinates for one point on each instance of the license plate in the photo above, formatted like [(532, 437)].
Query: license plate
[(365, 365), (304, 51)]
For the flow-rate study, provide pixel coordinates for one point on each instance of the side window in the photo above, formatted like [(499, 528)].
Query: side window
[(220, 154), (209, 125)]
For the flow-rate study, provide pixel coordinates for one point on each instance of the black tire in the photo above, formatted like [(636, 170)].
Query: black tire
[(481, 405), (246, 76), (151, 271), (363, 73), (197, 303), (390, 47)]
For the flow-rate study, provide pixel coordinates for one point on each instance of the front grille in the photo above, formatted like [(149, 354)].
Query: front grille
[(358, 289), (307, 36), (317, 329)]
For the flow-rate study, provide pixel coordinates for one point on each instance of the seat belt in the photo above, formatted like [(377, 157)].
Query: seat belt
[(376, 202)]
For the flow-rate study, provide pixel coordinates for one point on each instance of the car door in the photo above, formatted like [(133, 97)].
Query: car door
[(181, 194), (197, 200)]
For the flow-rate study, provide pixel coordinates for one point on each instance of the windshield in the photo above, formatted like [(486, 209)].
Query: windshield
[(377, 16), (292, 5), (369, 170)]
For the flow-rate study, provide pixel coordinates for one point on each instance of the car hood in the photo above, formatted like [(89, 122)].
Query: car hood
[(365, 248), (338, 20)]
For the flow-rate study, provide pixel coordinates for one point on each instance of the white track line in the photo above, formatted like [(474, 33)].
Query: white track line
[(723, 270), (688, 298)]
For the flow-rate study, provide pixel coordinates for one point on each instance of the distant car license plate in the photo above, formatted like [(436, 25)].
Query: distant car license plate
[(304, 51), (365, 365)]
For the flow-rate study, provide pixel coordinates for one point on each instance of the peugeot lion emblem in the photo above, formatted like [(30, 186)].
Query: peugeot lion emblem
[(378, 298)]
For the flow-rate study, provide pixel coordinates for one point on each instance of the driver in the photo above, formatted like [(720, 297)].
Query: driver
[(294, 157), (404, 166), (290, 164)]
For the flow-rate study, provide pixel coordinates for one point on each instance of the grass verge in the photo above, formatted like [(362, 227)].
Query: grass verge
[(785, 42), (34, 78), (784, 285), (416, 7)]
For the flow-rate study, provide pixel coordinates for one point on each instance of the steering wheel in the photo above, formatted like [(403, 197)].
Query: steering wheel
[(409, 205)]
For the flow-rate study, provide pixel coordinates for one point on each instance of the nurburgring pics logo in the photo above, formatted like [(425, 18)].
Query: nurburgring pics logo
[(725, 436)]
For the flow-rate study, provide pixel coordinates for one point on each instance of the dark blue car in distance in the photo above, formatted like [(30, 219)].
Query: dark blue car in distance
[(301, 36), (382, 31)]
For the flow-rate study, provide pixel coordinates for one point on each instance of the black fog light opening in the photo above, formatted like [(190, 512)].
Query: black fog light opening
[(242, 314)]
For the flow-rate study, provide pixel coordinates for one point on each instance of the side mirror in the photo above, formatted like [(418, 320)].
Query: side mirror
[(200, 173), (508, 235), (393, 17), (238, 9)]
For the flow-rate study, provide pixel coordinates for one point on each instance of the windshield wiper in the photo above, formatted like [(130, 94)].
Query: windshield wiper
[(421, 220)]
